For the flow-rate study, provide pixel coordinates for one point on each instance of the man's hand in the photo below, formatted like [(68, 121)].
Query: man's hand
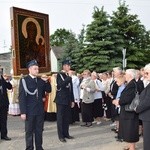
[(23, 116)]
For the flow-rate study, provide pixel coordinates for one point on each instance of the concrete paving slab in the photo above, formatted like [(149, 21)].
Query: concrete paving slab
[(97, 137)]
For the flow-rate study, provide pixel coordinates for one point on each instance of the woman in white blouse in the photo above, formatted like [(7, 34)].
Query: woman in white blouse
[(98, 111)]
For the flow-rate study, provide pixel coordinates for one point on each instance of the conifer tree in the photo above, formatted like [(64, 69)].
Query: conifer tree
[(101, 43), (133, 34)]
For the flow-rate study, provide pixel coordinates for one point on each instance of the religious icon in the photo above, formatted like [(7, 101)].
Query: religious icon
[(30, 39)]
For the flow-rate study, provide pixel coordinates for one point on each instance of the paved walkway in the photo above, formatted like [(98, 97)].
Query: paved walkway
[(98, 137)]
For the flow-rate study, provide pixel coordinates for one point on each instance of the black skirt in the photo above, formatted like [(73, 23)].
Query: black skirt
[(74, 114), (87, 112), (129, 130), (98, 110)]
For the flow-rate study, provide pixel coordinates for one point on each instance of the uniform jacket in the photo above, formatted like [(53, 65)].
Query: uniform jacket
[(4, 86), (33, 104), (64, 93), (144, 107), (126, 97)]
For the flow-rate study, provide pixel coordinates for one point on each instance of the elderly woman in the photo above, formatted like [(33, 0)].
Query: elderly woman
[(98, 111), (128, 123), (87, 91), (144, 109)]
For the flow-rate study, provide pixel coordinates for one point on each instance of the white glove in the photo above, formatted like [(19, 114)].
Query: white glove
[(88, 89)]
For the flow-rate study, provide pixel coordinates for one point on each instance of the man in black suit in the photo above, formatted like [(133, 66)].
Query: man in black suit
[(64, 101), (4, 103), (144, 109), (31, 95)]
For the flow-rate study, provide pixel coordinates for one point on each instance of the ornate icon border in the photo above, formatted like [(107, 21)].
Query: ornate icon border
[(15, 13)]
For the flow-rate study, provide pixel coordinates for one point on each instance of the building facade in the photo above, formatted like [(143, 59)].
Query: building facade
[(6, 62)]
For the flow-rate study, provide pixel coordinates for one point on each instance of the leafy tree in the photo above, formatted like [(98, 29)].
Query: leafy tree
[(70, 47), (68, 41), (60, 37)]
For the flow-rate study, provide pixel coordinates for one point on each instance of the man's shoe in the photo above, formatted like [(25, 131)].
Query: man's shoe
[(69, 137), (6, 138), (63, 140)]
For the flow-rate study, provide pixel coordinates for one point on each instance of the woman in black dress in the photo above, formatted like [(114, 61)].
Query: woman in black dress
[(129, 122)]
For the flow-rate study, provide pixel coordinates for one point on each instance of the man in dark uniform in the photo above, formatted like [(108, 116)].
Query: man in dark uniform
[(4, 103), (64, 101), (31, 94)]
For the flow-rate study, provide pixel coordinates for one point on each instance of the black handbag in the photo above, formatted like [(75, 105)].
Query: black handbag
[(135, 102)]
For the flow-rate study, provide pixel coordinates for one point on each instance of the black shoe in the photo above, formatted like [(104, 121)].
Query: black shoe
[(116, 137), (69, 137), (6, 138), (63, 140), (113, 129), (116, 131)]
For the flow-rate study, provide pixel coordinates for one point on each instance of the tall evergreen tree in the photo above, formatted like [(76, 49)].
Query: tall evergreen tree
[(100, 44), (77, 53), (133, 34)]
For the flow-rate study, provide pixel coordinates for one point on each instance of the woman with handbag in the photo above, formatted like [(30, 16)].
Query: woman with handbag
[(128, 121), (144, 109)]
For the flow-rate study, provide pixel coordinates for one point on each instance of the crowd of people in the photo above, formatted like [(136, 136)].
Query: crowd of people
[(96, 96)]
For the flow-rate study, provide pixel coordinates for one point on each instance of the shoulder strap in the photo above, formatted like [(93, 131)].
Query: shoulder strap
[(61, 76), (26, 89)]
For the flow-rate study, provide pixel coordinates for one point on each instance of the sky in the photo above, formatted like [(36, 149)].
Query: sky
[(68, 14)]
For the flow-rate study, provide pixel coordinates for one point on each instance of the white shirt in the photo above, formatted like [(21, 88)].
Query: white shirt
[(76, 88), (106, 85), (99, 86)]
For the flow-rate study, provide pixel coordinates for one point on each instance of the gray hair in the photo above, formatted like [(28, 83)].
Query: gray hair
[(118, 69), (132, 72), (147, 67)]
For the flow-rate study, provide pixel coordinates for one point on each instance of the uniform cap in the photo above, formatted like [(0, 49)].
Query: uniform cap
[(66, 62), (32, 63)]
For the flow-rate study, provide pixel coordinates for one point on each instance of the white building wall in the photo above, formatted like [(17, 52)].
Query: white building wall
[(54, 64)]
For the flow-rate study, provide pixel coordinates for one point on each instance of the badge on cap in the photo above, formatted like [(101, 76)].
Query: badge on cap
[(32, 63)]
